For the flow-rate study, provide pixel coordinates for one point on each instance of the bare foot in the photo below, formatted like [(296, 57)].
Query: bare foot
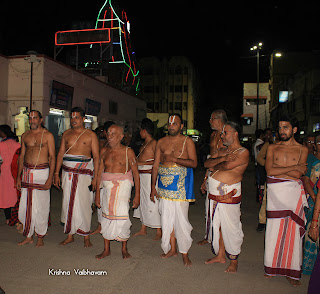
[(169, 254), (103, 254), (28, 240), (125, 254), (294, 282), (40, 242), (97, 230), (186, 261), (67, 240), (203, 242), (87, 242), (140, 233), (216, 259), (233, 267)]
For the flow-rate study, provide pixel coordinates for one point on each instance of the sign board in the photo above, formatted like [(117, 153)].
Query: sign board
[(87, 36), (61, 96)]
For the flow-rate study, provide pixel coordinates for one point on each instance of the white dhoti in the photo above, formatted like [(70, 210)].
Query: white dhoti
[(285, 227), (148, 211), (224, 213), (175, 189), (77, 172), (174, 216), (34, 205), (115, 204)]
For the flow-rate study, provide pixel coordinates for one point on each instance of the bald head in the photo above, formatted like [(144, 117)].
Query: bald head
[(114, 135)]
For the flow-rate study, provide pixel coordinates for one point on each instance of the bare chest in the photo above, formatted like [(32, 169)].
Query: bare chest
[(176, 148), (77, 141), (286, 156), (116, 162)]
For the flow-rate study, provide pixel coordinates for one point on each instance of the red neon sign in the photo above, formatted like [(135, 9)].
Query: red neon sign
[(87, 36)]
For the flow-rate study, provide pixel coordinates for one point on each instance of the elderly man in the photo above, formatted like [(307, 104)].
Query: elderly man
[(286, 162), (175, 158), (217, 120), (118, 172), (77, 146), (228, 166), (36, 164)]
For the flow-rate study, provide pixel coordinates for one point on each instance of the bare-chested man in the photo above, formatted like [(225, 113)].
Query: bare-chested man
[(36, 165), (228, 166), (79, 157), (148, 211), (286, 162), (118, 171), (217, 120), (175, 158)]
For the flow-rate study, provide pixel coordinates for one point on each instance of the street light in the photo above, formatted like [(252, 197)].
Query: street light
[(31, 59), (257, 48)]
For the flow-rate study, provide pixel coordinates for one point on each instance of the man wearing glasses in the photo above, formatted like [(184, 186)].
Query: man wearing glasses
[(227, 167), (217, 120)]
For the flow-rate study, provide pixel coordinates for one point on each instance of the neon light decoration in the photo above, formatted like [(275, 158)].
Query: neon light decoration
[(111, 29), (112, 20)]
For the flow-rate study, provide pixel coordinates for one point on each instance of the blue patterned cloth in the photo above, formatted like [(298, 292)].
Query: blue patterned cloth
[(175, 183), (311, 249)]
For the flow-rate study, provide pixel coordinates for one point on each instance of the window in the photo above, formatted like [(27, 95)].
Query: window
[(113, 107)]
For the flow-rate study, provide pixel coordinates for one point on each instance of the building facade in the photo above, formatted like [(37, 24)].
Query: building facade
[(295, 88), (249, 116), (168, 86), (56, 88)]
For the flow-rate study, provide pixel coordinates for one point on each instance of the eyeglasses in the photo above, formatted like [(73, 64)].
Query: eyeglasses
[(224, 132), (213, 118), (310, 142)]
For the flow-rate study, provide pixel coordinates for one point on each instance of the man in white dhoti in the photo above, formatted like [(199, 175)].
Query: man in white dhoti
[(217, 120), (79, 174), (285, 164), (36, 165), (175, 158), (117, 173), (148, 211), (228, 166)]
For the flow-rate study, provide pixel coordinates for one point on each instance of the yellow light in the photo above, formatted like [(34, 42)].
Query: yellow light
[(278, 54)]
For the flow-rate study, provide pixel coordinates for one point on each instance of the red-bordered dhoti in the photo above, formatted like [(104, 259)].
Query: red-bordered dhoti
[(77, 172), (285, 227), (34, 205)]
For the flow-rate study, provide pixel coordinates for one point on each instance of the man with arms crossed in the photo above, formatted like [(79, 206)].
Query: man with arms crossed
[(285, 164), (175, 158), (217, 120), (148, 211), (78, 146), (228, 166), (36, 164), (117, 170)]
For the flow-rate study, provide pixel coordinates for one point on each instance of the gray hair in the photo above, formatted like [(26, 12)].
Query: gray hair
[(221, 114), (235, 126)]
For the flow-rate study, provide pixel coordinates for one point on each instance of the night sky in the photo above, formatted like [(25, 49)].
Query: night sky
[(216, 38)]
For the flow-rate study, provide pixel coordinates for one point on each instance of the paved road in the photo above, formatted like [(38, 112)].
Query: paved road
[(26, 269)]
